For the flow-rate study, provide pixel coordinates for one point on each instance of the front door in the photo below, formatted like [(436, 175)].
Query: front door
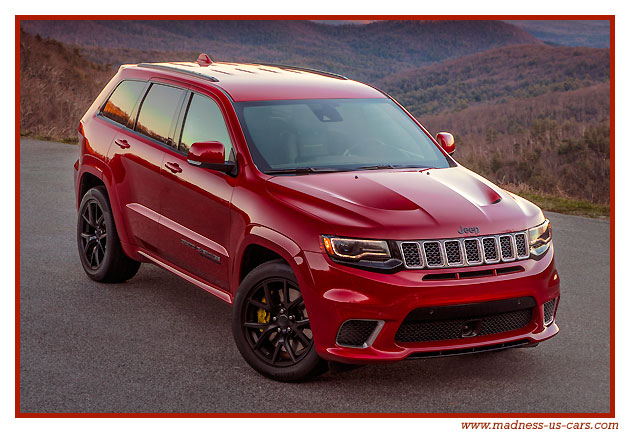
[(195, 206)]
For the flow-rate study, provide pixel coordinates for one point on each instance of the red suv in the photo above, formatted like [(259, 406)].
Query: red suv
[(331, 219)]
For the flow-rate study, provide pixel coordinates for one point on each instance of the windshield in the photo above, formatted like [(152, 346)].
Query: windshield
[(335, 134)]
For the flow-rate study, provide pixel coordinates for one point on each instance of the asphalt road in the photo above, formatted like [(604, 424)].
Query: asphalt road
[(160, 344)]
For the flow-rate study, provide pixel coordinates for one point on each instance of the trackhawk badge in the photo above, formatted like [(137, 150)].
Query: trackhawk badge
[(463, 230)]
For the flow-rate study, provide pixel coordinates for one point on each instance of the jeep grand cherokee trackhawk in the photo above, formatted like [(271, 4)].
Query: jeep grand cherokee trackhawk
[(332, 220)]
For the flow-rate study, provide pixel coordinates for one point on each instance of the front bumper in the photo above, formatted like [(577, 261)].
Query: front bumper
[(340, 293)]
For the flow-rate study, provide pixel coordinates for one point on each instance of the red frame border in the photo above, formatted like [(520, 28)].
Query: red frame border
[(19, 414)]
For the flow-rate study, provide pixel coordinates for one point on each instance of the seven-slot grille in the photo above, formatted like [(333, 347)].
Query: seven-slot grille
[(469, 251)]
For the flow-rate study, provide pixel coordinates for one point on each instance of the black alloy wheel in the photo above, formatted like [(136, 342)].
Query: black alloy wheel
[(93, 236), (271, 326), (101, 253), (276, 323)]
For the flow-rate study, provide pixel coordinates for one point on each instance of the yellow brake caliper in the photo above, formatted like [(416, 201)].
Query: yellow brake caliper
[(263, 315)]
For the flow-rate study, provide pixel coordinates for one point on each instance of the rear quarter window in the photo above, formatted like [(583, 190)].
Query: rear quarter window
[(120, 104)]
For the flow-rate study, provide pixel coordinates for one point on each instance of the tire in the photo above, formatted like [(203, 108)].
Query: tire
[(267, 300), (99, 247)]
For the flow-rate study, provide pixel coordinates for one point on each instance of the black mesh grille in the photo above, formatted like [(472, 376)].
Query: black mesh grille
[(410, 332), (355, 332), (432, 253), (411, 254), (453, 254), (521, 248), (506, 247), (459, 321), (490, 249), (472, 251), (549, 308)]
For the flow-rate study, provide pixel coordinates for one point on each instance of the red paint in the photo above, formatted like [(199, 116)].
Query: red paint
[(211, 152), (447, 142), (162, 205)]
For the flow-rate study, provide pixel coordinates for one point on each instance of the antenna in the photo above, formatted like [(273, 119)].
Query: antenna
[(204, 60)]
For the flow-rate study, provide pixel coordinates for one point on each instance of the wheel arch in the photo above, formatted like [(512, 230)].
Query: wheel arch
[(94, 172), (262, 244)]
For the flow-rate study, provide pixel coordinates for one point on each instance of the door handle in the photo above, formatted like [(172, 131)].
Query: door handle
[(122, 144), (174, 167)]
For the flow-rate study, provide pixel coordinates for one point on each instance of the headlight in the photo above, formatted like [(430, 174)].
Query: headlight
[(355, 249), (539, 238)]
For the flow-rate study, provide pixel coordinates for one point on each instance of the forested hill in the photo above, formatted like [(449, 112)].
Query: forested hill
[(364, 52), (496, 75)]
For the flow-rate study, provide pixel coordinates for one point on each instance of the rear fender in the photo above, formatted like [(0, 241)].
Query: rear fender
[(98, 168)]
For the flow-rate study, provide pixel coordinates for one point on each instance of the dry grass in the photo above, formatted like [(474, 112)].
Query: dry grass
[(57, 85), (559, 202), (558, 143)]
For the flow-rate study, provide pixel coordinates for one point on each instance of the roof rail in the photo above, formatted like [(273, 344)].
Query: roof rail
[(176, 69), (299, 68)]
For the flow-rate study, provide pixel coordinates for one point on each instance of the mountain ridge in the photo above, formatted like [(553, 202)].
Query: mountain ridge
[(496, 74), (364, 52)]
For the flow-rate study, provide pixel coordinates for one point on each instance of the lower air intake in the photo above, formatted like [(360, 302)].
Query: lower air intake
[(465, 320), (356, 333), (549, 308)]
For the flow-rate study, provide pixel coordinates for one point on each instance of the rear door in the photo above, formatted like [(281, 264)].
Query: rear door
[(136, 158), (195, 204)]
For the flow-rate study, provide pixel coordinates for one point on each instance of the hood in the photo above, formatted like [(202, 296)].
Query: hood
[(406, 204)]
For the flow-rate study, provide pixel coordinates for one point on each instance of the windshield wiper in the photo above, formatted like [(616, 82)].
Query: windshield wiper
[(375, 167), (301, 170), (387, 166)]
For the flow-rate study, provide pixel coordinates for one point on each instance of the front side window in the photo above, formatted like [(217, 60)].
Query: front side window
[(158, 110), (122, 101), (335, 134), (204, 122)]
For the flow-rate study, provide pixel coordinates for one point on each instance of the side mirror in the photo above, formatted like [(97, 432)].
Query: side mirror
[(447, 142), (211, 155)]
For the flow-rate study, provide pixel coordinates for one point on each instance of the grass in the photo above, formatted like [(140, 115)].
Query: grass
[(568, 206), (67, 140)]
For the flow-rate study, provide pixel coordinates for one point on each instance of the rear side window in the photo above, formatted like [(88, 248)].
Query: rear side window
[(204, 122), (158, 111), (120, 105)]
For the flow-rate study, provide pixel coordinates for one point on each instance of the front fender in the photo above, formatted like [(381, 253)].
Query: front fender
[(279, 244)]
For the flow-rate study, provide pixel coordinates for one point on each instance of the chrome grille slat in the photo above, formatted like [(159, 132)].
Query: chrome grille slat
[(473, 251), (411, 254), (506, 247), (522, 250), (461, 252), (433, 254), (453, 252), (490, 249)]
